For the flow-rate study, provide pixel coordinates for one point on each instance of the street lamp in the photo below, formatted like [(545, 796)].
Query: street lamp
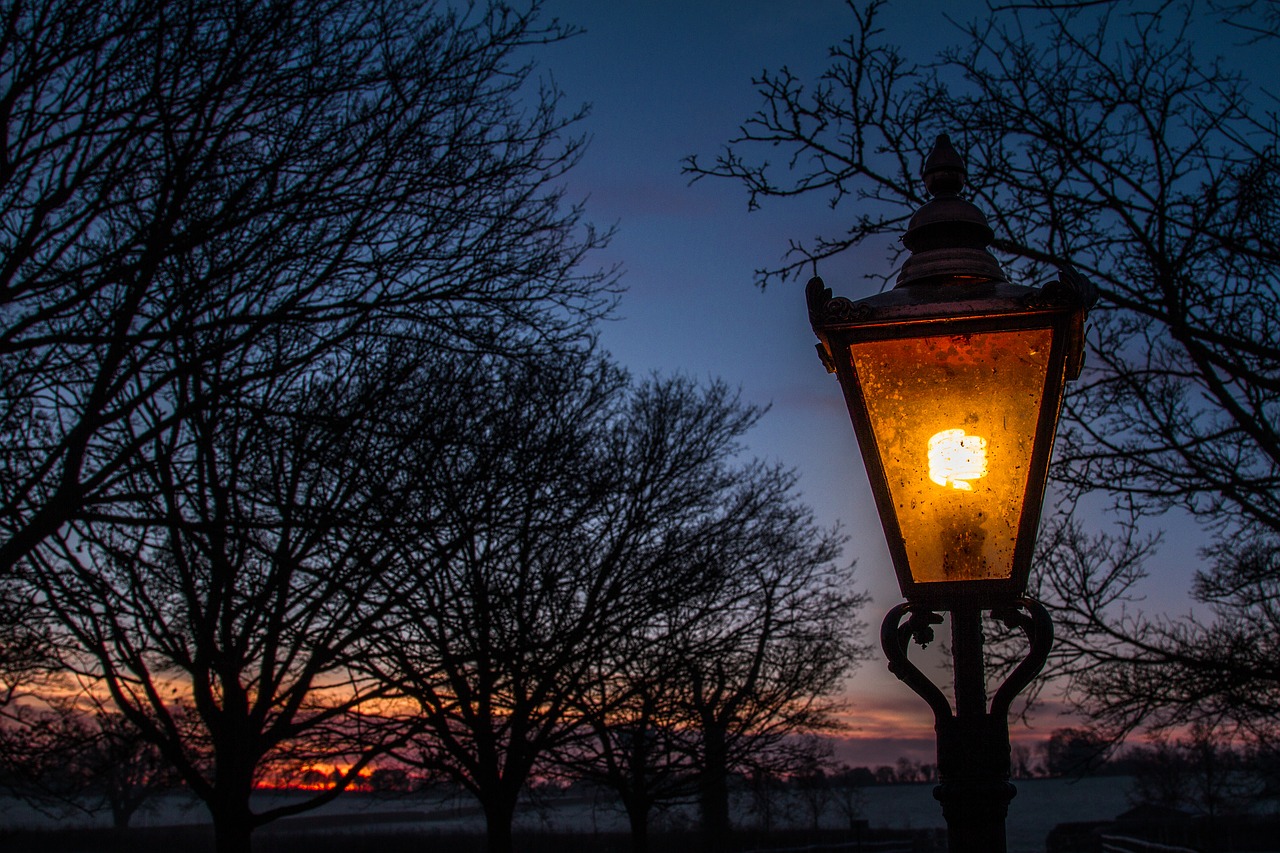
[(954, 382)]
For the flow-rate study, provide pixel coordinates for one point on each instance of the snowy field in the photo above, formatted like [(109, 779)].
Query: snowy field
[(1039, 805)]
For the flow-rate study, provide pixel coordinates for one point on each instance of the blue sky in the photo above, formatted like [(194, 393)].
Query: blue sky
[(668, 79)]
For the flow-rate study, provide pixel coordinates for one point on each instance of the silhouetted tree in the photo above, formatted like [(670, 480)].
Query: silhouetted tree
[(390, 779), (722, 680), (1159, 774), (222, 608), (27, 644), (1129, 669), (1112, 137), (63, 757), (762, 654), (216, 216), (1201, 774), (1073, 751), (725, 680), (767, 793), (1020, 761), (122, 767), (847, 784), (187, 184), (811, 777), (598, 510), (856, 777), (516, 578), (909, 771), (635, 741), (724, 669)]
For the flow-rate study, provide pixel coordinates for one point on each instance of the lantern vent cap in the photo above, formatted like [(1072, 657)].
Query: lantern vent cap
[(948, 236)]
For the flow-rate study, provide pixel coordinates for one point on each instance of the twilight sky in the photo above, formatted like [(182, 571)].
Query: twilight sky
[(667, 79)]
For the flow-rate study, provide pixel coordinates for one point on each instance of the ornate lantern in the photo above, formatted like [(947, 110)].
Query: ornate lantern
[(954, 381)]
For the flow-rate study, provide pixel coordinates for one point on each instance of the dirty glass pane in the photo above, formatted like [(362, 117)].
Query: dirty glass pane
[(954, 417)]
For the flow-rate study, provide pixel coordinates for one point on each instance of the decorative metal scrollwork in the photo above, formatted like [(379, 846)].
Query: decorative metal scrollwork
[(1070, 288), (825, 308), (897, 633)]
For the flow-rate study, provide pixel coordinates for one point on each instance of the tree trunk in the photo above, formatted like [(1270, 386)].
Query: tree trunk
[(762, 798), (122, 811), (714, 793), (233, 822), (498, 815), (232, 833), (638, 816)]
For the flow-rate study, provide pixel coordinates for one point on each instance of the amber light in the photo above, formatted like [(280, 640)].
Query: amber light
[(956, 459)]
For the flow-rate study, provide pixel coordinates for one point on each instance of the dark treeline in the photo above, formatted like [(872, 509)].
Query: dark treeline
[(309, 461)]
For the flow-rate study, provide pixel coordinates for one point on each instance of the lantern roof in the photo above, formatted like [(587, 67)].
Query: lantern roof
[(950, 274)]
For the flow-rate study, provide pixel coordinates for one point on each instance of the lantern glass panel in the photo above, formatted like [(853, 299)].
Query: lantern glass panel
[(954, 419)]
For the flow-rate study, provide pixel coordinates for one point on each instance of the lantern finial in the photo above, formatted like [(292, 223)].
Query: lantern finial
[(948, 236), (944, 171)]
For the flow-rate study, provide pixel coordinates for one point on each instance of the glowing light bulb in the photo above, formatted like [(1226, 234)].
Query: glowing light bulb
[(956, 458)]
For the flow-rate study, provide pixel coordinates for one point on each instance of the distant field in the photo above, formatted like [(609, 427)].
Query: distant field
[(388, 824)]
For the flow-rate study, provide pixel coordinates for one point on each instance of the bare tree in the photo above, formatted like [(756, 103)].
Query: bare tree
[(811, 777), (730, 676), (597, 507), (258, 181), (1020, 760), (221, 610), (635, 742), (1072, 751), (510, 590), (215, 217), (63, 757), (851, 802), (1130, 669), (1202, 773), (28, 645), (757, 656), (1109, 137), (744, 664)]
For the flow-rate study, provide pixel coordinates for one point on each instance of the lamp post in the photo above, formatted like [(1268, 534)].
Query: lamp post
[(954, 382)]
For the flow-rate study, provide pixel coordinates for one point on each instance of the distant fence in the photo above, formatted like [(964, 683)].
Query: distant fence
[(1124, 844)]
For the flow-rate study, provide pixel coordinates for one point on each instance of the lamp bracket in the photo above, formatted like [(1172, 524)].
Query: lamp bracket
[(1030, 617), (1071, 289), (909, 622), (896, 635)]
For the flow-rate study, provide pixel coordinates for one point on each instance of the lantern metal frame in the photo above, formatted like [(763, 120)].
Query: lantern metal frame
[(956, 308)]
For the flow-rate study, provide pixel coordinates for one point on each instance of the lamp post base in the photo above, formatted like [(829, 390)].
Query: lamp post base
[(974, 787)]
